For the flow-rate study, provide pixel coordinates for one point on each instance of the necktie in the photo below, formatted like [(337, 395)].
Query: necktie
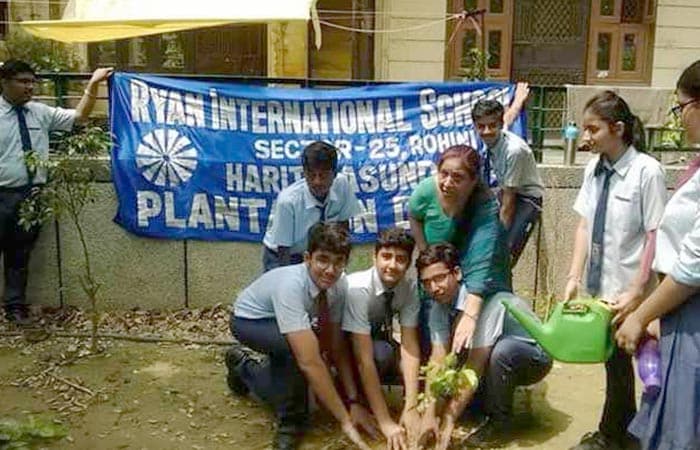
[(388, 326), (595, 260), (323, 324), (24, 136), (322, 209), (487, 168)]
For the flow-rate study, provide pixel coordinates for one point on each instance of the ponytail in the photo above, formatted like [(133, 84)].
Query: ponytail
[(639, 140)]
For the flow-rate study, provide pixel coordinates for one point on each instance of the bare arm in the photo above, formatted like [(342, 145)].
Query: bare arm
[(87, 101), (508, 201), (417, 231), (306, 351), (466, 323), (578, 260), (522, 90), (629, 301), (410, 364), (665, 298), (341, 358)]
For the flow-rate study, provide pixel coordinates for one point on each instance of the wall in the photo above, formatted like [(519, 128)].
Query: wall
[(165, 274), (677, 44), (414, 55)]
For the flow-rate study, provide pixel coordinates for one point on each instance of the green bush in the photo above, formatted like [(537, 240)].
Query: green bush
[(45, 55)]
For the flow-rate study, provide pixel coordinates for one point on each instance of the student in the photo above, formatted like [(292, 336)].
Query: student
[(292, 315), (321, 196), (512, 357), (620, 204), (25, 126), (671, 420), (520, 186), (374, 296)]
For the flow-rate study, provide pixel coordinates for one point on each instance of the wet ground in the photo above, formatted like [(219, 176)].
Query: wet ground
[(156, 396)]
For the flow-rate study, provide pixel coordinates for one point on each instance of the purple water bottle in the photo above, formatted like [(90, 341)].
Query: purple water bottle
[(649, 366)]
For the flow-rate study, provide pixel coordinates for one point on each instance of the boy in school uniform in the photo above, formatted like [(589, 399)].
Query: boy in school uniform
[(374, 296), (292, 315), (520, 186), (320, 196)]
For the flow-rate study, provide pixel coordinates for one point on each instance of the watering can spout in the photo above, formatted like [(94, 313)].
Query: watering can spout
[(528, 320)]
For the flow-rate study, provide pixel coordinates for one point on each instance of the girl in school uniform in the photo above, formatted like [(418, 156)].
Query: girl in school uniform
[(671, 420), (620, 205)]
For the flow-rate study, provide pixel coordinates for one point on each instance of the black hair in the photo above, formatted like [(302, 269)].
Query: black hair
[(484, 108), (395, 237), (331, 237), (611, 108), (13, 67), (320, 155), (689, 82), (444, 252)]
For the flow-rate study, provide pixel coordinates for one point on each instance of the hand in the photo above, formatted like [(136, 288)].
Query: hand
[(625, 303), (654, 329), (101, 74), (522, 91), (629, 333), (352, 434), (395, 436), (464, 331), (429, 425), (363, 419), (445, 434), (411, 422), (571, 290)]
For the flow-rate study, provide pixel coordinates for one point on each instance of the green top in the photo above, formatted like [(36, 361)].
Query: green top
[(425, 207)]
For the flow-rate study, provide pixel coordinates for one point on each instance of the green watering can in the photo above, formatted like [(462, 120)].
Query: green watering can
[(578, 331)]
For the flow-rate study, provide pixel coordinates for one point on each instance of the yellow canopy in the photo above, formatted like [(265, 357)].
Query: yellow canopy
[(104, 20)]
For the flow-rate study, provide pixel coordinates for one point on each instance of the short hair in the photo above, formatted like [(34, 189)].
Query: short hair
[(331, 237), (484, 108), (395, 237), (13, 67), (689, 82), (319, 155), (444, 252)]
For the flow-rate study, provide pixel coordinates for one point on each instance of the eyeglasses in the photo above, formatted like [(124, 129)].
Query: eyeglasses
[(438, 278), (678, 109), (24, 80), (326, 263)]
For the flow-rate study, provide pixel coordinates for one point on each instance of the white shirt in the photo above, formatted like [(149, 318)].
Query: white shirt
[(515, 166), (297, 210), (678, 236), (636, 199), (364, 301), (41, 119)]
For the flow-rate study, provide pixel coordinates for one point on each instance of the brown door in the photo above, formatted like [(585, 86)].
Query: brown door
[(232, 49), (549, 43)]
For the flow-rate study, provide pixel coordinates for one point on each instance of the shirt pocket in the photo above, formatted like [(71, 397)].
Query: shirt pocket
[(626, 210)]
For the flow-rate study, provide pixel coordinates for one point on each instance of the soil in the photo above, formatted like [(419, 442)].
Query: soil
[(167, 396)]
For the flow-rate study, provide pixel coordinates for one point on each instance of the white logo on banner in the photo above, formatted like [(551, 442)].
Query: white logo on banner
[(166, 158)]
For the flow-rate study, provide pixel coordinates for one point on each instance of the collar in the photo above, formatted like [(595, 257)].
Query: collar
[(311, 202), (461, 293), (621, 166), (313, 290), (499, 142), (5, 106), (378, 287)]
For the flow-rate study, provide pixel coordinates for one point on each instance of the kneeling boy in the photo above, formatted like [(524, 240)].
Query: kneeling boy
[(374, 296), (292, 315)]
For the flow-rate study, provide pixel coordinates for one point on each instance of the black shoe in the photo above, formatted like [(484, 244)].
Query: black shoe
[(235, 356), (19, 317), (492, 434), (597, 441), (288, 437)]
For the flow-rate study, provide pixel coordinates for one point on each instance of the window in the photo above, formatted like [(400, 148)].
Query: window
[(3, 19), (620, 41), (472, 53)]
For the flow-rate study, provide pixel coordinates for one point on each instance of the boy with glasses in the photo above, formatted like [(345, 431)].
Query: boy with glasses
[(374, 296), (292, 315), (515, 359)]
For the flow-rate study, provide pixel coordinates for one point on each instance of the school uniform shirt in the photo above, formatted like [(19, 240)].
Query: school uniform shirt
[(364, 302), (514, 165), (678, 236), (494, 321), (41, 119), (297, 210), (289, 295), (636, 199)]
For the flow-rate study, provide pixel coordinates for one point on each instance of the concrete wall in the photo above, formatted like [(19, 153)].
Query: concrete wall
[(414, 54), (168, 274), (676, 44)]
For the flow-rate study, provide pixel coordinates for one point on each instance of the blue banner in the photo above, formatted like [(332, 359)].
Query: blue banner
[(206, 160)]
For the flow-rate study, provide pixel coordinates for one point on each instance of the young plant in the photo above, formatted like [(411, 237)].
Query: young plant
[(444, 380), (69, 189)]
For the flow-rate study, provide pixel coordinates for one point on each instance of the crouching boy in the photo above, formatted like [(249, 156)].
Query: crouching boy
[(292, 315), (374, 296)]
